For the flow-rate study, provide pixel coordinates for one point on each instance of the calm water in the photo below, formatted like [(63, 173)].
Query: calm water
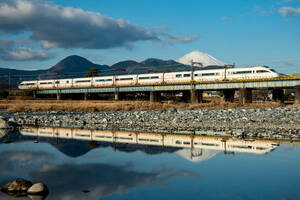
[(83, 164)]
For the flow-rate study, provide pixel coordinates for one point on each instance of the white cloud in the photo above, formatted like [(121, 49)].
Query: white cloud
[(8, 51), (289, 11), (55, 26)]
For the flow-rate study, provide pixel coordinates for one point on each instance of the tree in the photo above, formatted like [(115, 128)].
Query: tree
[(92, 72)]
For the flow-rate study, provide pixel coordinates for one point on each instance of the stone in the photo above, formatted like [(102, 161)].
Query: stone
[(16, 186), (3, 132), (37, 197), (3, 124), (38, 188)]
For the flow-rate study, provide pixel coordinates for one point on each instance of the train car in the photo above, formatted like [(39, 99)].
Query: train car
[(63, 83), (260, 72), (25, 85), (177, 77), (126, 80), (82, 82), (103, 81), (209, 75), (145, 79), (46, 84)]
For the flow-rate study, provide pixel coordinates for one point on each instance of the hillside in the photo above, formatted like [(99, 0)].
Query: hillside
[(150, 65), (74, 66)]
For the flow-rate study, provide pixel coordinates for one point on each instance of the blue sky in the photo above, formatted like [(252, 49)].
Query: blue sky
[(248, 32)]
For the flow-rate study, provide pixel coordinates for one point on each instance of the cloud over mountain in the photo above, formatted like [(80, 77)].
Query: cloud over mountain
[(9, 51), (55, 26)]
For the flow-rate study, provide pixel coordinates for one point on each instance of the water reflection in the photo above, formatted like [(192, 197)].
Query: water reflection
[(106, 164), (195, 148)]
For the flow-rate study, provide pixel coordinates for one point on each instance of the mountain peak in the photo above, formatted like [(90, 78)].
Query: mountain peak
[(198, 56), (75, 63)]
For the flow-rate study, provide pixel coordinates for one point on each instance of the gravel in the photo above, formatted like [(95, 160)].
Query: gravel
[(276, 123)]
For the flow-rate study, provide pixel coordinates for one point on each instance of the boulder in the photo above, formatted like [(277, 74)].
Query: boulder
[(3, 132), (38, 188), (18, 186), (3, 124), (37, 197)]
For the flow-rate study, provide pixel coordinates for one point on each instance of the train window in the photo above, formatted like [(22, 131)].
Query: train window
[(186, 75), (125, 79), (242, 72), (177, 142), (186, 143), (144, 77), (56, 82), (241, 147), (83, 81), (261, 71), (101, 80), (154, 77), (43, 83), (67, 81), (209, 144), (208, 74), (196, 74), (142, 139), (29, 84), (261, 148), (178, 75), (273, 70)]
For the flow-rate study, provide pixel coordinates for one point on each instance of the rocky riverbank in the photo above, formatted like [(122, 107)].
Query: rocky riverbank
[(277, 123)]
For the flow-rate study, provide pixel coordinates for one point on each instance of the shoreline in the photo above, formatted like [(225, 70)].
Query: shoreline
[(276, 123)]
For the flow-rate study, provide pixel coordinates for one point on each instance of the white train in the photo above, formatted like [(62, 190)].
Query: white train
[(259, 72)]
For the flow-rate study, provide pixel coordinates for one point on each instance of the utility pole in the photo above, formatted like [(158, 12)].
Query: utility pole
[(192, 68), (225, 71), (193, 90), (114, 81), (9, 83)]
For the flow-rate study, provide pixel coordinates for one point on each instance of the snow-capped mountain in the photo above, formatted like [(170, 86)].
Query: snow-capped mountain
[(197, 155), (198, 56)]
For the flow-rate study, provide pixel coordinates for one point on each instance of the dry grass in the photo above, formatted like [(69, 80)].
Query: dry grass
[(13, 106)]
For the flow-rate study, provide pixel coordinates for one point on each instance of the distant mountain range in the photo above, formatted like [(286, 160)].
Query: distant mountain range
[(77, 66)]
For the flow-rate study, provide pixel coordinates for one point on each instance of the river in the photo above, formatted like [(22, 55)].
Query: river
[(110, 164)]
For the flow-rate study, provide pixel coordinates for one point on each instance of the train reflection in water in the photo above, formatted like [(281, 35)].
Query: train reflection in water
[(226, 144)]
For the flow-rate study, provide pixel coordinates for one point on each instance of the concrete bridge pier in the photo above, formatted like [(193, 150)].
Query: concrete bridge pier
[(229, 95), (297, 95), (186, 96), (155, 96), (278, 95), (193, 95), (245, 95), (86, 96), (196, 96), (58, 96), (117, 96), (199, 96)]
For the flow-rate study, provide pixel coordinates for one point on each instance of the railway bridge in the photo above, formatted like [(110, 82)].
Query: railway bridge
[(192, 91)]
